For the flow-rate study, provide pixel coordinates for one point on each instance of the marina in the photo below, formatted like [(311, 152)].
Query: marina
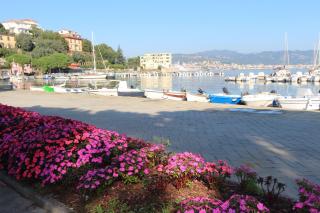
[(213, 88)]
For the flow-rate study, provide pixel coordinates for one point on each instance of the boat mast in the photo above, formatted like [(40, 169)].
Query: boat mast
[(286, 50), (93, 54)]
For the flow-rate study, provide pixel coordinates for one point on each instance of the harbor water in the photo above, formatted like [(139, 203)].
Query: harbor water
[(209, 84)]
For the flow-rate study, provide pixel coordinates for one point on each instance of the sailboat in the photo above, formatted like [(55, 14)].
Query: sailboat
[(93, 74), (314, 72), (282, 73)]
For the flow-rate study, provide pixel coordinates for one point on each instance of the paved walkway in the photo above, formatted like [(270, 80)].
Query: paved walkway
[(12, 202), (284, 145)]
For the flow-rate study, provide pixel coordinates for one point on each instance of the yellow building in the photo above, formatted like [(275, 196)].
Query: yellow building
[(154, 61), (7, 41), (73, 39)]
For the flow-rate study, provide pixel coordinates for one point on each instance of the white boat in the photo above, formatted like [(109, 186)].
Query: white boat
[(174, 95), (264, 99), (261, 76), (92, 76), (282, 74), (154, 94), (104, 92), (63, 89), (124, 90), (197, 97), (36, 88), (305, 100)]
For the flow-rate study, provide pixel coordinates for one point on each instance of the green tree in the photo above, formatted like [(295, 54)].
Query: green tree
[(120, 59), (25, 42), (107, 53), (134, 62), (3, 30), (19, 58), (46, 47), (86, 45), (81, 57), (52, 62), (36, 32), (5, 52)]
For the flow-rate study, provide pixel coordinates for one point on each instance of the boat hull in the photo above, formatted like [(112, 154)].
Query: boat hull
[(104, 92), (225, 99), (131, 93), (154, 94), (36, 89), (175, 96), (259, 100), (197, 98)]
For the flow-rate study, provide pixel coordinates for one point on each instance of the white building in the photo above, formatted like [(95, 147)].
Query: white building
[(19, 25), (154, 61)]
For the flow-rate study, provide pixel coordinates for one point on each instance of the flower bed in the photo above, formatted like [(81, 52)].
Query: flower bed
[(54, 152)]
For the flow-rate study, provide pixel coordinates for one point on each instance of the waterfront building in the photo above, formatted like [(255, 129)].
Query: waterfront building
[(7, 41), (155, 61), (17, 26), (73, 39)]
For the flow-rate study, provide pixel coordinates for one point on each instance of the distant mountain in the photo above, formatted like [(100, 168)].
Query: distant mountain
[(227, 56)]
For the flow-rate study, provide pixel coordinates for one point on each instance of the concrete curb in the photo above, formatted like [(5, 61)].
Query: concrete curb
[(48, 204)]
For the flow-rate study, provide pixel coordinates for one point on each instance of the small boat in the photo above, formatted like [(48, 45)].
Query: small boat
[(305, 100), (123, 90), (264, 99), (104, 92), (36, 89), (63, 89), (154, 94), (223, 98), (197, 97), (92, 76), (174, 95)]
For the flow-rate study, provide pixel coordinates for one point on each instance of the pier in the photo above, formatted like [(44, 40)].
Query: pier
[(171, 74)]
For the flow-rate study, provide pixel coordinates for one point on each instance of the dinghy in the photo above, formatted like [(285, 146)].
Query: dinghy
[(224, 98), (305, 100), (264, 99), (174, 95), (154, 94), (197, 97)]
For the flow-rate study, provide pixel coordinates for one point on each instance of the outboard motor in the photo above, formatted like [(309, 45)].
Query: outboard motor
[(225, 90)]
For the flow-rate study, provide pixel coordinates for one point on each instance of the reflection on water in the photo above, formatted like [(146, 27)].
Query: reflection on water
[(210, 84)]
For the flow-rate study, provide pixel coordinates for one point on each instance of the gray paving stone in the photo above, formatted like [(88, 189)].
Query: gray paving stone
[(285, 145)]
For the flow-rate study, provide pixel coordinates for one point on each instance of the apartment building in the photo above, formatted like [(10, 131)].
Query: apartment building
[(73, 39), (154, 61), (18, 26)]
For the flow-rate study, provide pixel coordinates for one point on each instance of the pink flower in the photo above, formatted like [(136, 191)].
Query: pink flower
[(146, 171)]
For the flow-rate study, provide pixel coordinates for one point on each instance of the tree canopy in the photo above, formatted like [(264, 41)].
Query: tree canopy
[(86, 45), (3, 30), (24, 42), (19, 58), (52, 62)]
